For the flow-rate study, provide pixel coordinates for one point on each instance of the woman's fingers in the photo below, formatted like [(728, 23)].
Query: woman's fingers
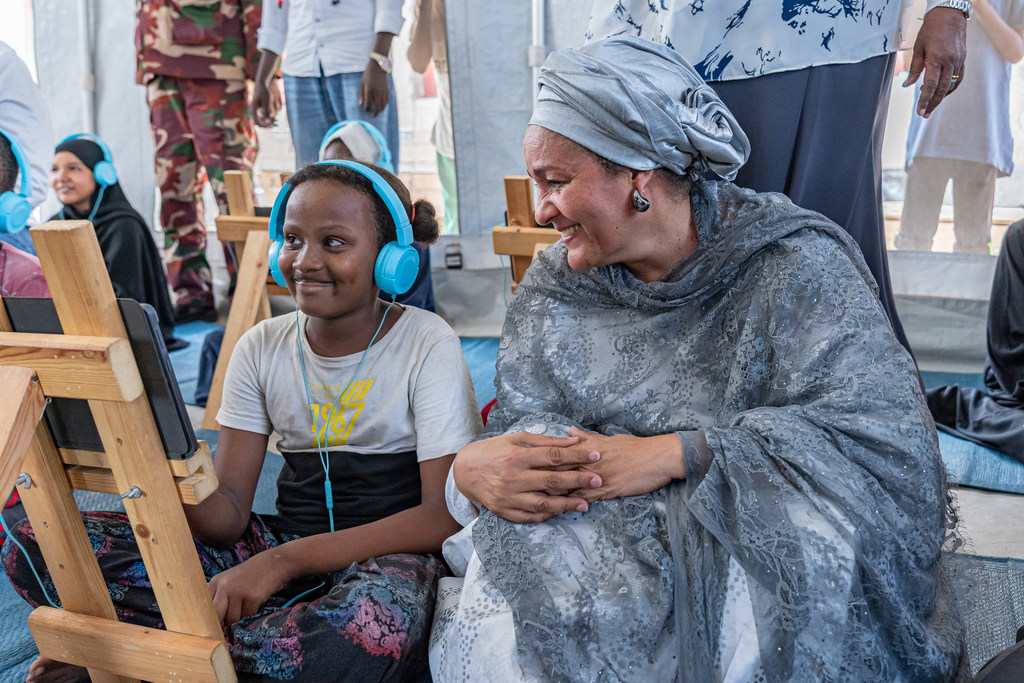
[(532, 508)]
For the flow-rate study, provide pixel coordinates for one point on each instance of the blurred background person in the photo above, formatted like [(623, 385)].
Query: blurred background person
[(195, 61), (337, 66), (429, 41), (968, 139), (25, 120)]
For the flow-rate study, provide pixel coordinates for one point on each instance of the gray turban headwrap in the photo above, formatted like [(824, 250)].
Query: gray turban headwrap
[(639, 104)]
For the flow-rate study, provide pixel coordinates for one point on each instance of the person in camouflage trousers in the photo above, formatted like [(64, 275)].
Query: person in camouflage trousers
[(196, 59)]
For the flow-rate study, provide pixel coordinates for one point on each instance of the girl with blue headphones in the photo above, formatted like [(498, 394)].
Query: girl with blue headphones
[(85, 180), (370, 400)]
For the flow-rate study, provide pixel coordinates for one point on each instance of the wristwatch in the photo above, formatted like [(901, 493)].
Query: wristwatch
[(964, 6), (383, 61)]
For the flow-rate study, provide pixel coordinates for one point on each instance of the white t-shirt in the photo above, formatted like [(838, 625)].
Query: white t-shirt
[(413, 392), (315, 34)]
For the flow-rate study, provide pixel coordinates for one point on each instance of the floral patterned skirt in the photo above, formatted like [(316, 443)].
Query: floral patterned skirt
[(368, 622)]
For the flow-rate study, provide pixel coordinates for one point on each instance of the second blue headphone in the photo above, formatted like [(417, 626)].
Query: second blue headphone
[(15, 207), (385, 151), (397, 263), (104, 171)]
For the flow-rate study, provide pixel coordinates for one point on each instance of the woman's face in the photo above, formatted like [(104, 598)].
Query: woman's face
[(589, 205), (72, 180), (330, 246)]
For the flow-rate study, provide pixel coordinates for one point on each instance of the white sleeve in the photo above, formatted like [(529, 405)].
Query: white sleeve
[(387, 16), (462, 510), (273, 29), (443, 403), (243, 404), (25, 117)]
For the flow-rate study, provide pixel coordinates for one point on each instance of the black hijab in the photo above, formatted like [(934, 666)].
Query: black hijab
[(131, 256)]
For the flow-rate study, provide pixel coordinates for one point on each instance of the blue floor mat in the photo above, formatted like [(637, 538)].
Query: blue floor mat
[(481, 354), (186, 361), (969, 464)]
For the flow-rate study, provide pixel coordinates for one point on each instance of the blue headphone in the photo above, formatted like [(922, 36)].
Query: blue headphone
[(14, 206), (385, 157), (397, 263), (103, 171)]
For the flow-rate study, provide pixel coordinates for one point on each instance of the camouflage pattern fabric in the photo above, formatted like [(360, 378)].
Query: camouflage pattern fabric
[(205, 39), (201, 128)]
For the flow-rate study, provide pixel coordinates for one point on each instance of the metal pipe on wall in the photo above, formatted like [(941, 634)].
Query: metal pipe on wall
[(88, 76), (537, 51)]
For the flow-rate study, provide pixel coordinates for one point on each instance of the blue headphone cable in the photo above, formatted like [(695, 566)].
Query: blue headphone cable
[(325, 461), (10, 537)]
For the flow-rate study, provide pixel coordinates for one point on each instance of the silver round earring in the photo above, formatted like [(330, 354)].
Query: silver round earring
[(640, 203)]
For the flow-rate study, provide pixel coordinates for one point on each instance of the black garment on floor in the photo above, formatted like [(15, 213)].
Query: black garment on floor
[(994, 417), (129, 252), (1005, 667)]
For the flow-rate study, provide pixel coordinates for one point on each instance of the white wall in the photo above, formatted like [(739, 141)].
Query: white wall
[(120, 112)]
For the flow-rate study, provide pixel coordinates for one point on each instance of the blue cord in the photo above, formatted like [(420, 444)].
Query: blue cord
[(325, 460), (10, 537), (95, 208)]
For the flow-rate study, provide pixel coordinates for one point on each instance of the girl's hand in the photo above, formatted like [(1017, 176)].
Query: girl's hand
[(630, 465), (525, 477), (240, 591)]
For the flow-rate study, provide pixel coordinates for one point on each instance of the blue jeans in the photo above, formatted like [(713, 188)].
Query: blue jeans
[(315, 103)]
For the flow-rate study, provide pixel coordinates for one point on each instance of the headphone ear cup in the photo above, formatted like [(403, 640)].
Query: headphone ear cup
[(396, 268), (105, 173), (14, 212), (275, 270)]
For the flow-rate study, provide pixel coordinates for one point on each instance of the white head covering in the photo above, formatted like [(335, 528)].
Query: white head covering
[(365, 149), (641, 105)]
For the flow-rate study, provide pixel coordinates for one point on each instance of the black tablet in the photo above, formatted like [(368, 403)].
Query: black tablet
[(71, 420)]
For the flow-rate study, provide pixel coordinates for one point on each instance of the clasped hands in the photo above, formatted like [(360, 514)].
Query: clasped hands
[(530, 478)]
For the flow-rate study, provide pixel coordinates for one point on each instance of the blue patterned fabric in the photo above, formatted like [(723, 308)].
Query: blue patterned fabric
[(732, 39)]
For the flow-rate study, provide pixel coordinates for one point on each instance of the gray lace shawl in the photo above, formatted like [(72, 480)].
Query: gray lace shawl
[(820, 475)]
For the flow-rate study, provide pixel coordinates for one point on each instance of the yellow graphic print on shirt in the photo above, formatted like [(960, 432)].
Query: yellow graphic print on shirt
[(335, 425)]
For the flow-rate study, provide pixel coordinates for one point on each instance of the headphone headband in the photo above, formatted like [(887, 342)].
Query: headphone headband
[(24, 170), (403, 228), (385, 153), (104, 171), (107, 156), (397, 264)]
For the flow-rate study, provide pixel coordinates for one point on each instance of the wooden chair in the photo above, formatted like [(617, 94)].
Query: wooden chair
[(522, 239), (248, 233), (92, 360)]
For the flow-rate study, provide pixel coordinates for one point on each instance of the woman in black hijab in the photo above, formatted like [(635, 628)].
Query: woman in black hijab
[(132, 259)]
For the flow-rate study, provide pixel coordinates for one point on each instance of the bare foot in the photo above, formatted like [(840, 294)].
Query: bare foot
[(45, 670)]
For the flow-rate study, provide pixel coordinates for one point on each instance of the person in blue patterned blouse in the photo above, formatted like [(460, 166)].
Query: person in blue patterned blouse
[(809, 81)]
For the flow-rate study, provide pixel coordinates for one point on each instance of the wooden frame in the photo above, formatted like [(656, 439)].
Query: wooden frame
[(522, 239), (249, 233), (86, 632)]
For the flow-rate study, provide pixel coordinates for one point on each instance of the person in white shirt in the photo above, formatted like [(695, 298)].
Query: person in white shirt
[(25, 118), (336, 66)]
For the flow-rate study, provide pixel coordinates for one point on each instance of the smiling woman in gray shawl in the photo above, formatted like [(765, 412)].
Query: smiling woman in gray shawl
[(710, 458)]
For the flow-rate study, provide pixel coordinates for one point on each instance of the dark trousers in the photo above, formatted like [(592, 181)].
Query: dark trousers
[(816, 136)]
